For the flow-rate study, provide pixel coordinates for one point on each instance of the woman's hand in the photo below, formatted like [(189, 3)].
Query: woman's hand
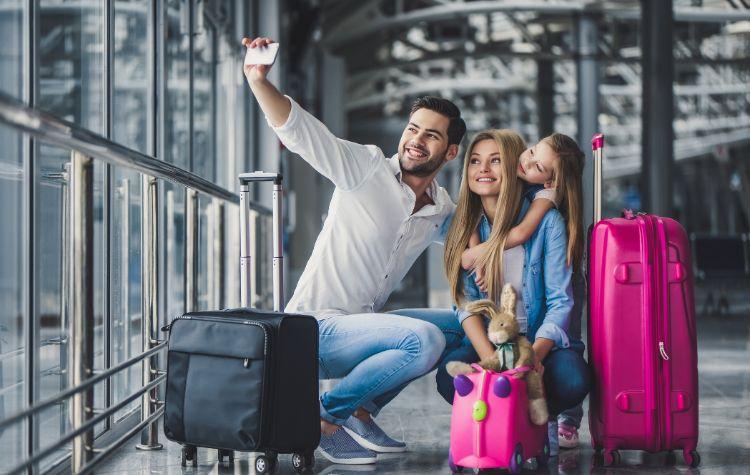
[(542, 347)]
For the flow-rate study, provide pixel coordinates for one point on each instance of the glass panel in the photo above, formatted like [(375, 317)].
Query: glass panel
[(12, 255), (71, 68), (177, 74), (204, 119), (132, 105), (12, 238), (11, 47)]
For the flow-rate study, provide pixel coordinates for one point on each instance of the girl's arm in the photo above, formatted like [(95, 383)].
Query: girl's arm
[(522, 232), (469, 256), (474, 328)]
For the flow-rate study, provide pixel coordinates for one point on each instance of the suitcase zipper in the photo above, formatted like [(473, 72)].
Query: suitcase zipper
[(651, 298)]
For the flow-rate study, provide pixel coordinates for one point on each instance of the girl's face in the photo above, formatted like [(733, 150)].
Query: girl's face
[(485, 168), (536, 164)]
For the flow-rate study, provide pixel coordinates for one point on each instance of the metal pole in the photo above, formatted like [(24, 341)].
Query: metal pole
[(191, 250), (150, 317), (211, 255), (219, 252), (278, 252), (545, 93), (64, 287), (245, 248), (170, 257), (82, 303), (125, 269), (657, 107), (588, 102)]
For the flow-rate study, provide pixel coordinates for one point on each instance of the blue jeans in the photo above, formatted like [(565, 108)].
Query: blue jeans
[(376, 355), (566, 375)]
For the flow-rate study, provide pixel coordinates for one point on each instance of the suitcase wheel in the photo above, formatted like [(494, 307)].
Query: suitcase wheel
[(692, 457), (265, 464), (226, 454), (189, 453), (452, 465), (515, 463), (303, 461), (610, 458)]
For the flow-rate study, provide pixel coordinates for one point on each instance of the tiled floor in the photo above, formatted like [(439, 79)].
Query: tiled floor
[(422, 418)]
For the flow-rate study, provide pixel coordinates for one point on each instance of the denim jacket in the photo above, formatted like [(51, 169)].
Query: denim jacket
[(547, 279)]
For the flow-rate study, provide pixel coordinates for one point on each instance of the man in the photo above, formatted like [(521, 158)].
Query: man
[(383, 214)]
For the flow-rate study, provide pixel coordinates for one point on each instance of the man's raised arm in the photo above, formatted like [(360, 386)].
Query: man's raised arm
[(346, 164), (273, 103)]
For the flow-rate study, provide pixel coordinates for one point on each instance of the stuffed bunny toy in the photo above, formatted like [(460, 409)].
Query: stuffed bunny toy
[(512, 350)]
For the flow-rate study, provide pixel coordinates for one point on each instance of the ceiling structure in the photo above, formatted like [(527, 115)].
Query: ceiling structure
[(488, 57)]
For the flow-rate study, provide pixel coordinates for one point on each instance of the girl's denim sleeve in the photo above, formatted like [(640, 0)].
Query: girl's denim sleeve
[(471, 293), (558, 289)]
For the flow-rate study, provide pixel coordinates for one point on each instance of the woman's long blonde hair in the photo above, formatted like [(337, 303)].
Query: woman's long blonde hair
[(469, 211), (567, 177)]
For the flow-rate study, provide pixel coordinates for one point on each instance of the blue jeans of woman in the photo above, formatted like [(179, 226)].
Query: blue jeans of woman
[(566, 374)]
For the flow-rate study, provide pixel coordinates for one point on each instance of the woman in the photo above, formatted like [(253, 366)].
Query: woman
[(492, 200)]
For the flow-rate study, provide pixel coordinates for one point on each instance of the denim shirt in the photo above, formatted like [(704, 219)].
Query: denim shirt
[(547, 285)]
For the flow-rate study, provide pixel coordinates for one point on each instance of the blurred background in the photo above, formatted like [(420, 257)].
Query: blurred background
[(667, 82)]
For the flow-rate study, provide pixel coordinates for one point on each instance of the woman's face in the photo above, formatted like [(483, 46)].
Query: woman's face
[(536, 164), (485, 168)]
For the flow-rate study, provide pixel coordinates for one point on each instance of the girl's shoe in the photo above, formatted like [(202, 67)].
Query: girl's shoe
[(568, 436)]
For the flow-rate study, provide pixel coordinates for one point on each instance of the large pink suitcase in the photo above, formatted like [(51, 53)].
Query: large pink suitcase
[(641, 334)]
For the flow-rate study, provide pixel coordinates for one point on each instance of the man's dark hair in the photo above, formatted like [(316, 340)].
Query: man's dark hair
[(456, 126)]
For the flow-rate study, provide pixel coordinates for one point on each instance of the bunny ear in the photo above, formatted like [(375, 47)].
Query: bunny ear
[(486, 307), (508, 299)]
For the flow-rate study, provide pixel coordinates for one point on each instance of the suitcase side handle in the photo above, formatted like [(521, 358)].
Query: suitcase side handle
[(245, 232)]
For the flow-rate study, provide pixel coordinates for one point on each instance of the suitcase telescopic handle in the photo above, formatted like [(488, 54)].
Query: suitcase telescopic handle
[(245, 248), (597, 145)]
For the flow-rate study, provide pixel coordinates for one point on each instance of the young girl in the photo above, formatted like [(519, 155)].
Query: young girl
[(554, 163), (552, 170)]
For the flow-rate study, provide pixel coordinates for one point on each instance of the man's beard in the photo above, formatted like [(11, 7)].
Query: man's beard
[(424, 169)]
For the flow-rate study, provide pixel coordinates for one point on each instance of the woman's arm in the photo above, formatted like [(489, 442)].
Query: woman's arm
[(523, 231), (558, 288), (476, 331)]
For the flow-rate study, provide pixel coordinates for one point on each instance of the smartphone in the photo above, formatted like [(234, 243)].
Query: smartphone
[(262, 54)]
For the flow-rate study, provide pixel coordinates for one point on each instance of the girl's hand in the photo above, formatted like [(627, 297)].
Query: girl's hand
[(479, 279)]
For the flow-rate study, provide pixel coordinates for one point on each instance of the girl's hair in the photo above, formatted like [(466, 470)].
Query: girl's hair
[(469, 211), (566, 175)]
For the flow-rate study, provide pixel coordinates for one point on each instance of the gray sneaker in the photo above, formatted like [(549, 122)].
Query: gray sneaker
[(372, 437), (340, 448)]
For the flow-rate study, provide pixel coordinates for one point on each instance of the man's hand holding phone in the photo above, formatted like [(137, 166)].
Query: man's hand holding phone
[(260, 56)]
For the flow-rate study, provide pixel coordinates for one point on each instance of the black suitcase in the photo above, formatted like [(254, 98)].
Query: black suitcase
[(245, 379)]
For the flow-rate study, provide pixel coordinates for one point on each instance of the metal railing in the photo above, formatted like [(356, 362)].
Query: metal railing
[(78, 301)]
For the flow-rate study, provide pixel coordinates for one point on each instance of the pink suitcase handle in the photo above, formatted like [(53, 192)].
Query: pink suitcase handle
[(520, 369), (597, 141), (597, 146)]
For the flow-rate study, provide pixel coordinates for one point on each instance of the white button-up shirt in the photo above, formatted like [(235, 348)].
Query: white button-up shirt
[(370, 238)]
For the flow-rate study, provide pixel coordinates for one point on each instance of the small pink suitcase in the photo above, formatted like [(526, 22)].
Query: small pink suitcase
[(490, 424), (641, 334)]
